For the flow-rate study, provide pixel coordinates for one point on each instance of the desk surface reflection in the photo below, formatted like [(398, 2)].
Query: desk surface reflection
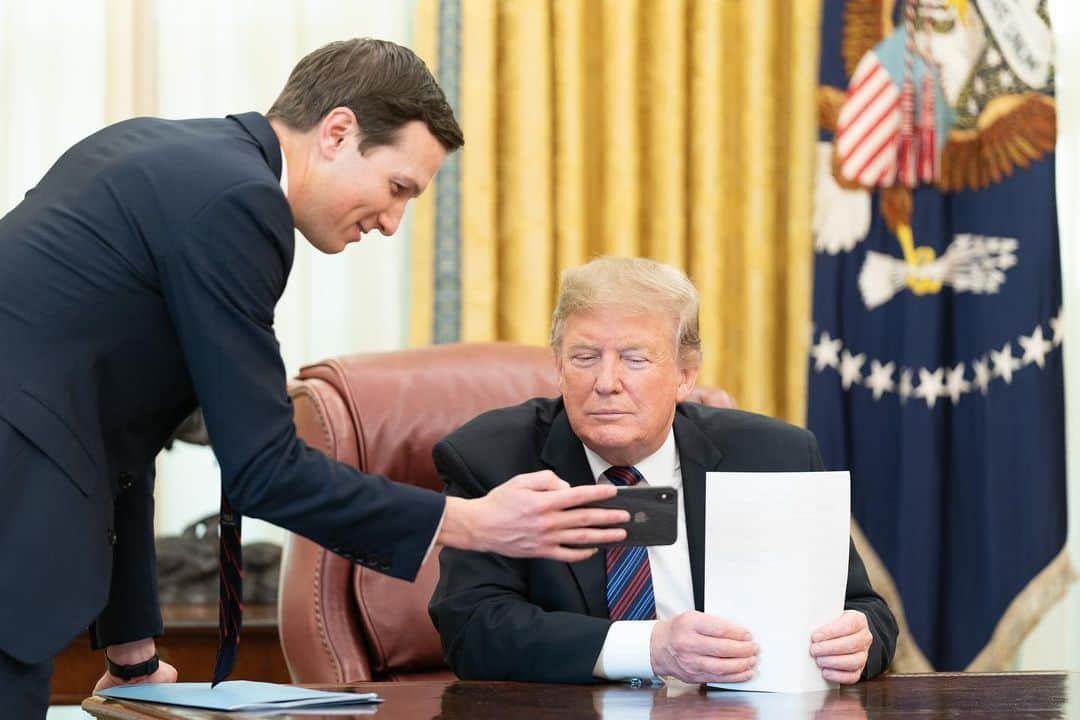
[(953, 695)]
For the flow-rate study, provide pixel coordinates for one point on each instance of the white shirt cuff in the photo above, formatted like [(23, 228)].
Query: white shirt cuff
[(434, 537), (625, 654)]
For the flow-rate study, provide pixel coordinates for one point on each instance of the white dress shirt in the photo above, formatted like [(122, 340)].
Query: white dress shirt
[(625, 653), (284, 174)]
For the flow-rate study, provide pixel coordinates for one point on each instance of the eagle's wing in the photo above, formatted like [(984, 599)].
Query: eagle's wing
[(829, 100), (866, 23), (1012, 130)]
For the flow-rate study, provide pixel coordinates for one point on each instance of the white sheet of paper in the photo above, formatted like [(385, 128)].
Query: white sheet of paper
[(776, 556)]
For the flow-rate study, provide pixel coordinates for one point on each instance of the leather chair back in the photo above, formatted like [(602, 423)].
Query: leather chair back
[(383, 413)]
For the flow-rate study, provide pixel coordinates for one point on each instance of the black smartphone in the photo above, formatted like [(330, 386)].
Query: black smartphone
[(653, 515)]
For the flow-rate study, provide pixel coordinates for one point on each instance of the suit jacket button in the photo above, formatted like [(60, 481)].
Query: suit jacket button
[(112, 537), (125, 480)]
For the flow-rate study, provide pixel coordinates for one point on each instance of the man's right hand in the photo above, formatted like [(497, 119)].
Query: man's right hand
[(533, 515), (698, 648)]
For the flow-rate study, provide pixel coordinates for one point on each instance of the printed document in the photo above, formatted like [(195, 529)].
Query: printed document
[(776, 556)]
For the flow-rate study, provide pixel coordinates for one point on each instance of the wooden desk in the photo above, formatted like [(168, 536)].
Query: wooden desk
[(952, 695), (190, 643)]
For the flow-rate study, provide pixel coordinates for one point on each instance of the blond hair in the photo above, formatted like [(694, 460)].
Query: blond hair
[(637, 285)]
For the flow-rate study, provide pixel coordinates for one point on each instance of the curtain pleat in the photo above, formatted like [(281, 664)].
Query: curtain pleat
[(479, 172), (758, 122), (662, 102), (620, 188), (572, 178), (422, 241), (525, 170), (707, 260)]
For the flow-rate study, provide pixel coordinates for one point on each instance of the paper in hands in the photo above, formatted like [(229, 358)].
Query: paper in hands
[(776, 555)]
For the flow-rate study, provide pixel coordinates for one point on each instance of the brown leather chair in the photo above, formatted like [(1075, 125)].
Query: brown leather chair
[(383, 413)]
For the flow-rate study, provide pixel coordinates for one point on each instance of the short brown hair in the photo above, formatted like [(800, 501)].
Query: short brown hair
[(384, 84), (637, 285)]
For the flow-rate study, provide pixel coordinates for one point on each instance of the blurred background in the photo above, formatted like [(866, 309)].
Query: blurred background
[(695, 132)]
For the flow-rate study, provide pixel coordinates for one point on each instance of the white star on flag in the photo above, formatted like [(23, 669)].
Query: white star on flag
[(880, 380), (1035, 347), (982, 373), (1057, 324), (851, 368), (905, 385), (827, 352), (956, 385), (1004, 363), (931, 385)]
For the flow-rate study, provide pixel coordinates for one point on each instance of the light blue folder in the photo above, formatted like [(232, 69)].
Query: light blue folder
[(236, 695)]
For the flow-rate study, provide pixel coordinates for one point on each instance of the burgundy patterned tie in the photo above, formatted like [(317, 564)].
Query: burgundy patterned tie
[(231, 595), (629, 578)]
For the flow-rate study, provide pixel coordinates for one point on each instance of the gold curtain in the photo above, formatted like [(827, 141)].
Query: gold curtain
[(681, 130)]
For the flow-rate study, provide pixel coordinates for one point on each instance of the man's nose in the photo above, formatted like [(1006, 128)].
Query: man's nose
[(608, 379), (391, 218)]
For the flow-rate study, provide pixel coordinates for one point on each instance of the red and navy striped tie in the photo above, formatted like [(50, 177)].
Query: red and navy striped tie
[(231, 591), (629, 578)]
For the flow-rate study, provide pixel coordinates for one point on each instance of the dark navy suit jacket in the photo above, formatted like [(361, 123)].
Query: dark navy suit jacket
[(138, 281), (541, 620)]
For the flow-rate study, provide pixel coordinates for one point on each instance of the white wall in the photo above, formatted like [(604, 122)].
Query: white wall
[(49, 97)]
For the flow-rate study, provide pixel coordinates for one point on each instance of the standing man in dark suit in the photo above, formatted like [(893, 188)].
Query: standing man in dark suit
[(137, 281), (625, 338)]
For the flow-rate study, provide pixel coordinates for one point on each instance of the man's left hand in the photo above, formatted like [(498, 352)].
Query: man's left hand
[(129, 654), (165, 673), (842, 647)]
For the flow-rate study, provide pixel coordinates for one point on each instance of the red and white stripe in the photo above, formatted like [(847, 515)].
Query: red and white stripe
[(906, 159), (868, 126)]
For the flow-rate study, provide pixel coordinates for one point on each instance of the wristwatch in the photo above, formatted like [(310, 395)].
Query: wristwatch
[(130, 672)]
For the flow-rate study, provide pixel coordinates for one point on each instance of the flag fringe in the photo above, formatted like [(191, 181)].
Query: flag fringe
[(1021, 616), (1025, 611)]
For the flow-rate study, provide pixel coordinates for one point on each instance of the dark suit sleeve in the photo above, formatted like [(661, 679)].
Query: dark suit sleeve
[(133, 612), (489, 628), (221, 280), (861, 596)]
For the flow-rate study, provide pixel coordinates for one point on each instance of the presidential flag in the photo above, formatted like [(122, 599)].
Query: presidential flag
[(935, 372)]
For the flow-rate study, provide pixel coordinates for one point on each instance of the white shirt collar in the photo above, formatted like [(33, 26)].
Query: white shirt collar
[(657, 469), (284, 174)]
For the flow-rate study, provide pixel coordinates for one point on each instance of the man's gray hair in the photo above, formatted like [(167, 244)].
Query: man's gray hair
[(636, 285)]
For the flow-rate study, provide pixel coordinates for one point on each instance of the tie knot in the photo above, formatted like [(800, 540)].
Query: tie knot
[(623, 475)]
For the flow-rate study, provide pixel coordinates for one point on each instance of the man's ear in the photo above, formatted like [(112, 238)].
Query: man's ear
[(687, 379), (557, 356), (338, 130)]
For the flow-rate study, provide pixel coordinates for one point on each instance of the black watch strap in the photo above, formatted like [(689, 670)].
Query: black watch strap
[(130, 672)]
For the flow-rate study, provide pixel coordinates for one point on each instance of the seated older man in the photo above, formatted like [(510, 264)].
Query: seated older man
[(626, 345)]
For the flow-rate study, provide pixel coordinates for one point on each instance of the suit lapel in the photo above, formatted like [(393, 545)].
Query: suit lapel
[(697, 456), (564, 454)]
